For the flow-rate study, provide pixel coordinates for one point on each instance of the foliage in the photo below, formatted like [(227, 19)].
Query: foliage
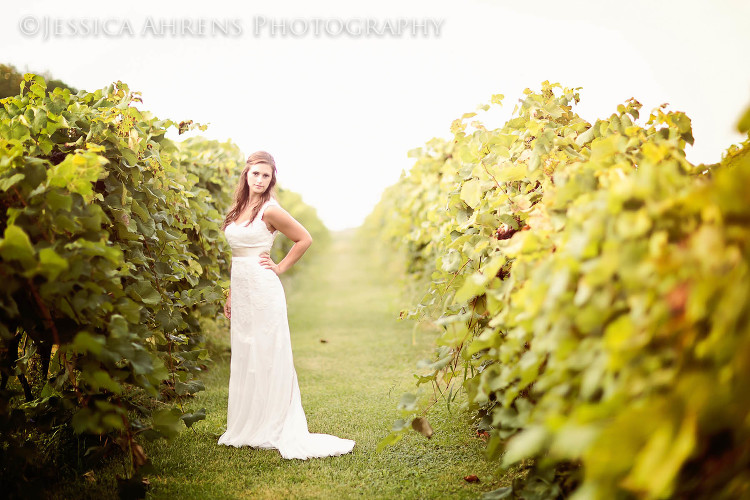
[(11, 79), (111, 251), (591, 288), (107, 260)]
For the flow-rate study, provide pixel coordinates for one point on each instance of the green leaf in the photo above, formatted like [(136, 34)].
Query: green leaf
[(11, 181), (743, 125), (474, 285), (408, 402), (58, 202), (16, 245), (141, 360), (497, 99), (86, 342), (84, 420), (51, 263), (190, 387), (40, 120), (451, 262), (37, 89), (140, 211), (390, 439), (662, 457), (191, 418), (470, 192), (586, 137), (499, 494), (527, 444), (118, 326), (100, 379), (145, 291), (511, 173), (130, 310), (399, 425), (167, 422)]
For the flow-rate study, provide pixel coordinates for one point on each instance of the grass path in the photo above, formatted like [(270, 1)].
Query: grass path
[(350, 387)]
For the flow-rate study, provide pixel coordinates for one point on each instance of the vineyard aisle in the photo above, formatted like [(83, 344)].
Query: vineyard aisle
[(354, 360)]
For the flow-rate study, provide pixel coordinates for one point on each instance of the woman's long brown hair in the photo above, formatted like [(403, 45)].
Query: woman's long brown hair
[(242, 192)]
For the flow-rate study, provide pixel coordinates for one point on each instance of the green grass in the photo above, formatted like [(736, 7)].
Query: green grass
[(350, 387)]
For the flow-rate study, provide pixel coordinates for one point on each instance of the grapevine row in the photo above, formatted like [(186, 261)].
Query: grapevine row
[(111, 252), (590, 288)]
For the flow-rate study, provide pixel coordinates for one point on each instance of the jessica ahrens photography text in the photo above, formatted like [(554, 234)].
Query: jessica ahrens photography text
[(45, 27)]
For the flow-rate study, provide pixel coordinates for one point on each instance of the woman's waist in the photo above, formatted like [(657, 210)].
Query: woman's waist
[(249, 251)]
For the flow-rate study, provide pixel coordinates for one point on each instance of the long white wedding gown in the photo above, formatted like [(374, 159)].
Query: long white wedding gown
[(265, 409)]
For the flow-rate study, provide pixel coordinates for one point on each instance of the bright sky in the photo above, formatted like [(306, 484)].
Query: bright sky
[(339, 112)]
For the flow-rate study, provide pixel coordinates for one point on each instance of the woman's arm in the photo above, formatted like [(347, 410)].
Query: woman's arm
[(281, 220)]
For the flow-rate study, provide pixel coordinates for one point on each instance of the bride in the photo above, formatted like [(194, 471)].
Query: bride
[(264, 408)]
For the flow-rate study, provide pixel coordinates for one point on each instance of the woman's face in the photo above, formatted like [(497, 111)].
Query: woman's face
[(259, 177)]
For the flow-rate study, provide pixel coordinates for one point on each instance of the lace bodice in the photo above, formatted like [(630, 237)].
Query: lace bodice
[(254, 234)]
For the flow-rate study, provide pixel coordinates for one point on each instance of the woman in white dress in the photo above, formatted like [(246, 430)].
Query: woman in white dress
[(264, 408)]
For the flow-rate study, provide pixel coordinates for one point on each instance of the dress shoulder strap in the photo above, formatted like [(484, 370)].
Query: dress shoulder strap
[(266, 205)]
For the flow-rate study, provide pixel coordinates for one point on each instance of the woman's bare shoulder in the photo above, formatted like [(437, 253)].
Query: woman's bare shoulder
[(274, 210)]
